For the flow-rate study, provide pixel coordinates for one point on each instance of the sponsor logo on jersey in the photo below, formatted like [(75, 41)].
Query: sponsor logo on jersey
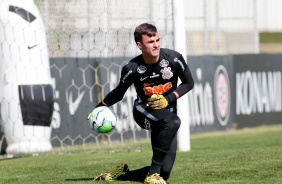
[(164, 63), (147, 125), (154, 75), (160, 89), (144, 78), (125, 77), (148, 84), (180, 63), (167, 74), (141, 69)]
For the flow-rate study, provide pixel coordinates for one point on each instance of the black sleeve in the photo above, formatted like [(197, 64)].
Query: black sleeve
[(184, 75), (125, 82)]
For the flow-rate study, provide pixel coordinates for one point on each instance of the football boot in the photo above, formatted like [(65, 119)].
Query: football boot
[(113, 174), (154, 179)]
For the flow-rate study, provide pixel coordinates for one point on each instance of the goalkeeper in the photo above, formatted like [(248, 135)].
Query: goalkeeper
[(154, 73)]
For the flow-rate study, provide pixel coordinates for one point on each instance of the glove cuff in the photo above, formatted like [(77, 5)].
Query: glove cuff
[(170, 98), (100, 104)]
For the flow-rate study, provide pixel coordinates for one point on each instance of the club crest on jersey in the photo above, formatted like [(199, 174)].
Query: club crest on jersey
[(164, 63), (167, 74), (141, 69)]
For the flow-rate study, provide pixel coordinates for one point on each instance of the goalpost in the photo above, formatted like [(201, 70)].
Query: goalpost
[(182, 103)]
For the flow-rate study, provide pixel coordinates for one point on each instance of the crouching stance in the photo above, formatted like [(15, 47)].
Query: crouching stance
[(154, 73)]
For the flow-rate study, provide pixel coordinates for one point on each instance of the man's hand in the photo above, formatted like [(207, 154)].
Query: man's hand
[(157, 101), (102, 103)]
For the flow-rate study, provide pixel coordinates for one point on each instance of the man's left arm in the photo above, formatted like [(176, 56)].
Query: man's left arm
[(187, 83), (185, 75)]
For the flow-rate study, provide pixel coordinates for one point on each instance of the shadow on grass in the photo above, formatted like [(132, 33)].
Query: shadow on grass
[(79, 179)]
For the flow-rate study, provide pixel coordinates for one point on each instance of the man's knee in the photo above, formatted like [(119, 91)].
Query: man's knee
[(174, 123)]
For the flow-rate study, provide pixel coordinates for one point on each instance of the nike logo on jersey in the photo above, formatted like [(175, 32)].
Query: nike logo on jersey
[(73, 105), (142, 79)]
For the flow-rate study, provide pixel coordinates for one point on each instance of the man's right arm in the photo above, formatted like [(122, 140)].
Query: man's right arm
[(117, 94)]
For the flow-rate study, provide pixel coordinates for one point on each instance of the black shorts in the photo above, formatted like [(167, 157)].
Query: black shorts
[(148, 118)]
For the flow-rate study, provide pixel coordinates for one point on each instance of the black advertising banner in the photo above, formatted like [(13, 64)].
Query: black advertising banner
[(73, 79), (211, 102), (229, 91), (258, 89), (234, 91), (80, 84)]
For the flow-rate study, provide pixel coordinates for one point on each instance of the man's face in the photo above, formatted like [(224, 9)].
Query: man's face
[(150, 46)]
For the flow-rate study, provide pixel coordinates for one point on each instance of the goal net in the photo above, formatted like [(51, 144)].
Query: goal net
[(90, 40)]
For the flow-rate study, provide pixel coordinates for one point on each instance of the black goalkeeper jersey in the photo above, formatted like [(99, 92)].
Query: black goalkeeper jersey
[(159, 78)]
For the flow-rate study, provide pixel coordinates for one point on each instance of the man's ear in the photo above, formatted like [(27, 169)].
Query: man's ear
[(139, 45)]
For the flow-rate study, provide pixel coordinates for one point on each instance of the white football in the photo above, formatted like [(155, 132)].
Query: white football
[(102, 119)]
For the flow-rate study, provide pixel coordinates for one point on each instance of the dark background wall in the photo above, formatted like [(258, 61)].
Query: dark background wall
[(221, 87), (231, 91)]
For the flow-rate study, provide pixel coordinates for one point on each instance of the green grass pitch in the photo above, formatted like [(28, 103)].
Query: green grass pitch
[(243, 156)]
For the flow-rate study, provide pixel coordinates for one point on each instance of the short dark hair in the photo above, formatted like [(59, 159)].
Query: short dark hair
[(144, 29)]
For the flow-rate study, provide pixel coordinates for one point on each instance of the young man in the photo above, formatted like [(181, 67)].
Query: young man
[(154, 74)]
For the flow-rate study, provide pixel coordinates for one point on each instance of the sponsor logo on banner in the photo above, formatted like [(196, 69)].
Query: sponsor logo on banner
[(258, 92), (201, 102), (73, 105), (222, 95), (201, 99)]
